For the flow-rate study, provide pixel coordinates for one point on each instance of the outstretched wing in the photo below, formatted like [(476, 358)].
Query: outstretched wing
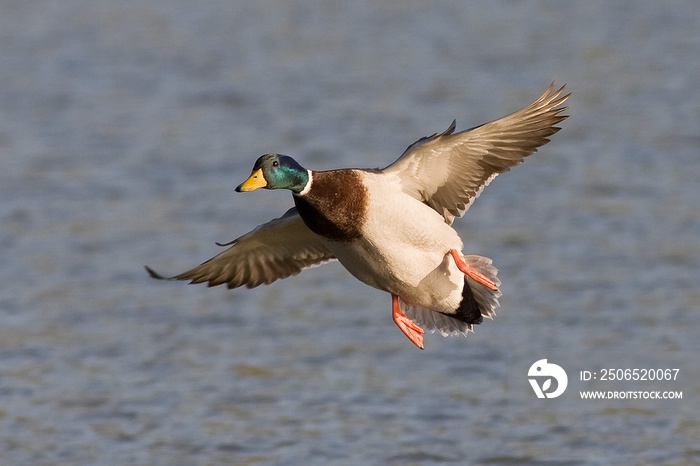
[(448, 171), (278, 249)]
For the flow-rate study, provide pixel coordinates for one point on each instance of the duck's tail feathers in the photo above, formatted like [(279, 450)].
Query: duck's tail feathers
[(433, 321), (486, 300)]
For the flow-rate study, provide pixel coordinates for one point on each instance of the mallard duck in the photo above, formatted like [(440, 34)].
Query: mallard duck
[(391, 228)]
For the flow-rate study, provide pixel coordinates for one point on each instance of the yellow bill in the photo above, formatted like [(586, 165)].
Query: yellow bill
[(255, 181)]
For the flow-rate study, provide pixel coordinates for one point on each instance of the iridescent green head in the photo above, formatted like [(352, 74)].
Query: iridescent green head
[(276, 171)]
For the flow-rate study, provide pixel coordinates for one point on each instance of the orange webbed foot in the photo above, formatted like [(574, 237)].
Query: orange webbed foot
[(471, 272), (409, 328)]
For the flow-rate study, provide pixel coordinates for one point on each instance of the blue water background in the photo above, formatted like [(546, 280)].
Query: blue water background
[(125, 126)]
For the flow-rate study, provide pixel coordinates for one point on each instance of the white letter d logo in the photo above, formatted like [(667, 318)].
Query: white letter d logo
[(543, 369)]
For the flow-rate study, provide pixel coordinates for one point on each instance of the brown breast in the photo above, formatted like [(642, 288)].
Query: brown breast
[(336, 205)]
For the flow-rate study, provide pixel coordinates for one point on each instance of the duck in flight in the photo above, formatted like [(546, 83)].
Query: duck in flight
[(391, 227)]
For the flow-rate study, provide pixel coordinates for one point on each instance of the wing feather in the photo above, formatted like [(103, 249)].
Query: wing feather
[(449, 170), (277, 249)]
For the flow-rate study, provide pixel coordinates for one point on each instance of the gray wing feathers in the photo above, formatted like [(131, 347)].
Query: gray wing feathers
[(278, 249), (448, 171)]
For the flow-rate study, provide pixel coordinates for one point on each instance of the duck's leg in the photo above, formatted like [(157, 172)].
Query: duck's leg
[(409, 328), (472, 272)]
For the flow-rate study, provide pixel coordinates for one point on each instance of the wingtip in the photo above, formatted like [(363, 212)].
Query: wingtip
[(154, 274), (553, 100), (553, 93)]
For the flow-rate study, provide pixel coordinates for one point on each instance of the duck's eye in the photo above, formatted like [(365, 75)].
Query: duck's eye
[(275, 163)]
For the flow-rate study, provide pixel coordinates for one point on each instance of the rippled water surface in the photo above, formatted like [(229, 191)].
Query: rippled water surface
[(125, 126)]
